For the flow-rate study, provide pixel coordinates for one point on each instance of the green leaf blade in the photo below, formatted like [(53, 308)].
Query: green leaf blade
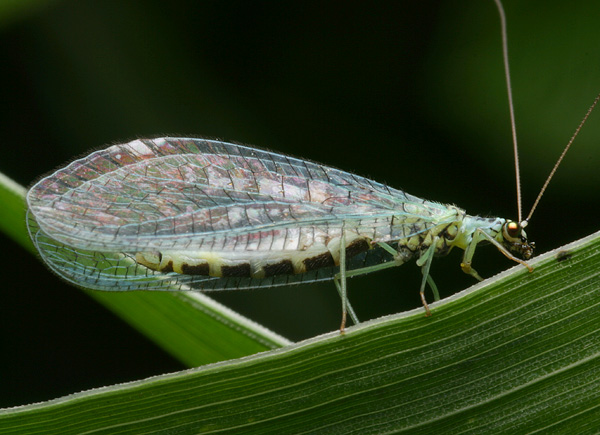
[(518, 352)]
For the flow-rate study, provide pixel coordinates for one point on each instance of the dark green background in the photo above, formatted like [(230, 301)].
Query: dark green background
[(407, 93)]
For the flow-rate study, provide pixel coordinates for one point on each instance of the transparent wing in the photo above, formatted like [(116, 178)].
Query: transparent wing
[(118, 271), (196, 194)]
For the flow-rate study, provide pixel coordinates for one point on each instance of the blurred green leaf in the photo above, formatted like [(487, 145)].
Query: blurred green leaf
[(13, 10), (12, 212)]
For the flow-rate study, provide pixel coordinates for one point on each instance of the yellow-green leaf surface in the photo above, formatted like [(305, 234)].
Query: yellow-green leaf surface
[(516, 353), (190, 326)]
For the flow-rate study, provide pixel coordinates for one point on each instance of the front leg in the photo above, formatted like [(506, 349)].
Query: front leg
[(478, 236)]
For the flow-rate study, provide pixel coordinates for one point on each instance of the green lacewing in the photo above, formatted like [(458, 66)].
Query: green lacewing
[(178, 213)]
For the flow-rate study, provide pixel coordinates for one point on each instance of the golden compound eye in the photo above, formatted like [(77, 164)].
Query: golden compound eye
[(513, 229)]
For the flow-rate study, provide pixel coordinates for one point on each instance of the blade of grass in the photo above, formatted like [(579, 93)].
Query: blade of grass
[(12, 212), (516, 353)]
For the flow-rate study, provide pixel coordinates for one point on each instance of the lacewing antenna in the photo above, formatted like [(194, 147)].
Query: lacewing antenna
[(510, 103), (523, 223), (562, 156)]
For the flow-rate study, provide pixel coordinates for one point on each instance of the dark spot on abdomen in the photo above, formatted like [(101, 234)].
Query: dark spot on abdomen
[(196, 269), (284, 267), (239, 270), (168, 267), (318, 261), (356, 247)]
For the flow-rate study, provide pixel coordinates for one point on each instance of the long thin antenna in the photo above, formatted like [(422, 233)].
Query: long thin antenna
[(510, 104), (537, 200)]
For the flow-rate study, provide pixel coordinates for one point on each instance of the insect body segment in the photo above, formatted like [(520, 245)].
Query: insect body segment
[(258, 265)]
